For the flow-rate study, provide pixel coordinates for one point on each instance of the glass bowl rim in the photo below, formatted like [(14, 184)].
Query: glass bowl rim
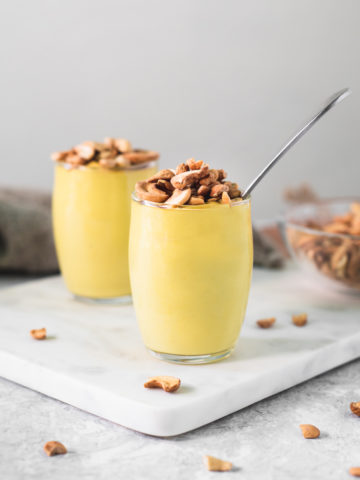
[(316, 203)]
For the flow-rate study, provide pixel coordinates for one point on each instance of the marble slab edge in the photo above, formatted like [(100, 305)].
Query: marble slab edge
[(171, 421)]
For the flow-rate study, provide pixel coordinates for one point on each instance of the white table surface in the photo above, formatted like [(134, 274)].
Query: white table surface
[(263, 441)]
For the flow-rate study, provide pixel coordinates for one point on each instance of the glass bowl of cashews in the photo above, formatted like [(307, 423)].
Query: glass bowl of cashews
[(323, 238)]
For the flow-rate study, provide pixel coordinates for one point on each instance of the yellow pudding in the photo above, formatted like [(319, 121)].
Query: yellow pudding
[(91, 218), (190, 269)]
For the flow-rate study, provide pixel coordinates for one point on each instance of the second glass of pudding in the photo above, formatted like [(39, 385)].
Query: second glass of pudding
[(91, 216), (190, 265)]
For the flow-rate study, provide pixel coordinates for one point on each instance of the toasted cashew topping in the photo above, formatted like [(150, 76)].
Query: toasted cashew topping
[(355, 227), (121, 161), (179, 197), (168, 384), (194, 165), (75, 160), (211, 178), (216, 465), (266, 322), (107, 154), (355, 408), (85, 150), (194, 200), (234, 191), (109, 142), (185, 179), (118, 152), (355, 209), (166, 174), (141, 156), (108, 162), (165, 185), (225, 198), (59, 156), (203, 190), (149, 191), (54, 448), (217, 190), (182, 180), (192, 183), (221, 174), (181, 168), (38, 334), (153, 188), (300, 320), (309, 431), (122, 145)]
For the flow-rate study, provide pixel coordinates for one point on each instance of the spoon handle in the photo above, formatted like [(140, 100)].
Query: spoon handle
[(331, 102)]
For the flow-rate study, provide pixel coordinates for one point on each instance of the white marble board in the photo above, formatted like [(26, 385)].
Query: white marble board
[(94, 358)]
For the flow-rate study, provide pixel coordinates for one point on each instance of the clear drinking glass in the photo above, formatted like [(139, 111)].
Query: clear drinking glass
[(91, 219), (190, 270)]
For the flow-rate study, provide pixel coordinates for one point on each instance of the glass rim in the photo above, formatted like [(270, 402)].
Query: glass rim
[(183, 207), (139, 166)]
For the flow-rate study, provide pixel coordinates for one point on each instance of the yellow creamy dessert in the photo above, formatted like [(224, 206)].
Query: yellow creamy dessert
[(91, 215), (190, 262)]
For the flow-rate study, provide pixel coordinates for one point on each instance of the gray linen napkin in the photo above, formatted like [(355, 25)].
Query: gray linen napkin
[(26, 239)]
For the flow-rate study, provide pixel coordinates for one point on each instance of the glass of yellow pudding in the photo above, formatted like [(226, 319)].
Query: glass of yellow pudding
[(91, 216), (191, 260)]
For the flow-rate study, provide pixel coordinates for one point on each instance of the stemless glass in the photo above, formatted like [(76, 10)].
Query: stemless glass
[(190, 270), (91, 220)]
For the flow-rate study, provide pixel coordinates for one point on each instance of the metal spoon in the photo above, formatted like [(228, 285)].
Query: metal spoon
[(330, 103)]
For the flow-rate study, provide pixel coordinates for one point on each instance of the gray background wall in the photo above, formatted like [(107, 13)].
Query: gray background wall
[(224, 81)]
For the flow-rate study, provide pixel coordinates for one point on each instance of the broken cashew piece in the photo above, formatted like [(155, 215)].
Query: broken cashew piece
[(210, 178), (168, 384), (266, 322), (309, 431), (182, 180), (148, 191), (122, 162), (193, 164), (181, 168), (59, 156), (165, 174), (141, 156), (217, 190), (85, 150), (354, 471), (38, 334), (194, 200), (225, 199), (300, 320), (108, 162), (179, 197), (216, 465), (123, 145), (165, 185), (355, 408), (54, 448)]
